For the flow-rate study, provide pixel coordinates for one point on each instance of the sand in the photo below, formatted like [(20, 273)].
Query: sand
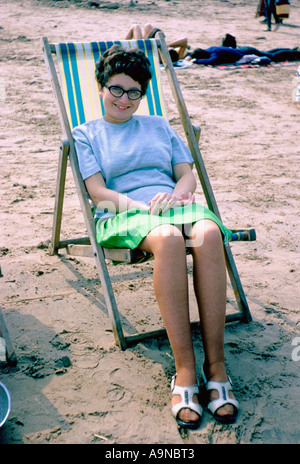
[(71, 383)]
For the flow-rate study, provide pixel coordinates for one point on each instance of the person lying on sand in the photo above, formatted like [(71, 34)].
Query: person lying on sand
[(276, 54), (214, 56)]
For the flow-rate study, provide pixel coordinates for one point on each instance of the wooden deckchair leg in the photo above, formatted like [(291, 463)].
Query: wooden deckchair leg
[(109, 295), (89, 220), (59, 197), (237, 286), (97, 251)]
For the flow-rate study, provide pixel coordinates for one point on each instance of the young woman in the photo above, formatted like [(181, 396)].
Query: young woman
[(137, 172)]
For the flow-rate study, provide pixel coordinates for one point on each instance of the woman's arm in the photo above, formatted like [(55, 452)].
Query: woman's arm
[(108, 199), (185, 180)]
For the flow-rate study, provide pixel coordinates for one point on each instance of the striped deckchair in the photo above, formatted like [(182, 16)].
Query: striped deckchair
[(72, 75)]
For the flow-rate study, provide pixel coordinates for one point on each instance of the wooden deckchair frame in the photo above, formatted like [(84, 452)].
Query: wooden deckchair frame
[(88, 246)]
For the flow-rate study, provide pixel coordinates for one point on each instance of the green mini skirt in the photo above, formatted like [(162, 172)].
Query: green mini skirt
[(128, 229)]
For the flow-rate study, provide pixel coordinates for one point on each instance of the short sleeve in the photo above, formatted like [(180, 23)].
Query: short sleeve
[(88, 163), (180, 152)]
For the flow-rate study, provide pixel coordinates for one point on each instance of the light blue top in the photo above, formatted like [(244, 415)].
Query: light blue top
[(135, 158)]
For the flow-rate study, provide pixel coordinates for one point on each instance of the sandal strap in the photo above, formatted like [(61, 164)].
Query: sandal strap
[(186, 394), (223, 389)]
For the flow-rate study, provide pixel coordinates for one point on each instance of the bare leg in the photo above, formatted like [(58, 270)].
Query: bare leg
[(171, 289), (147, 29), (210, 290), (181, 44), (135, 32)]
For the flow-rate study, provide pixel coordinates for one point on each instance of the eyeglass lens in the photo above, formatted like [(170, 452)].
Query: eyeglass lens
[(117, 91)]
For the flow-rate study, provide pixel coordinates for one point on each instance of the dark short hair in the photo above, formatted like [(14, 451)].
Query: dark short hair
[(174, 55), (229, 41), (118, 60)]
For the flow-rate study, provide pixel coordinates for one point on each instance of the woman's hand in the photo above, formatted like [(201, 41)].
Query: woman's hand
[(163, 202)]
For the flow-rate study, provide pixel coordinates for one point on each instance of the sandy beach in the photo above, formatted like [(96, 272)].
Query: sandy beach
[(72, 384)]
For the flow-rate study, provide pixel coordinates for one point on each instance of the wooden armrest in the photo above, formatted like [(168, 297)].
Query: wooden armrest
[(197, 132)]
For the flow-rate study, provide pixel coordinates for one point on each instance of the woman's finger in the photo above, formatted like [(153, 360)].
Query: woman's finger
[(165, 206), (155, 208), (159, 196)]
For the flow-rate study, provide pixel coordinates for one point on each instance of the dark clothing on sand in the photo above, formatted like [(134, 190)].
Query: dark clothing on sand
[(276, 54), (226, 55), (218, 55)]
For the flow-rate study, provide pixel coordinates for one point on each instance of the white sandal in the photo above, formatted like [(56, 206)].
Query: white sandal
[(187, 402), (223, 389)]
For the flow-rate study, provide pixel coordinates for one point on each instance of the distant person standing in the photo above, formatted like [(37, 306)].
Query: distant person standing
[(270, 8)]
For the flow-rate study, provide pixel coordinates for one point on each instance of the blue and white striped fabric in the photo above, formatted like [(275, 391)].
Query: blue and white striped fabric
[(76, 64)]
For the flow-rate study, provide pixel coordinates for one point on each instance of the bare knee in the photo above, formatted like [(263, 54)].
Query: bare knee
[(205, 233), (135, 32), (164, 239), (212, 232), (147, 29)]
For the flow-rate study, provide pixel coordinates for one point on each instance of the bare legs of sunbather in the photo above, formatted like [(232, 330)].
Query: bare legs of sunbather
[(171, 289), (135, 32)]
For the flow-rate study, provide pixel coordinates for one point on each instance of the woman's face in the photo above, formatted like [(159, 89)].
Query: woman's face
[(119, 109)]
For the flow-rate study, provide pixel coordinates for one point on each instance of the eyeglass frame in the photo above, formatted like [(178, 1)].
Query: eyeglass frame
[(124, 91)]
